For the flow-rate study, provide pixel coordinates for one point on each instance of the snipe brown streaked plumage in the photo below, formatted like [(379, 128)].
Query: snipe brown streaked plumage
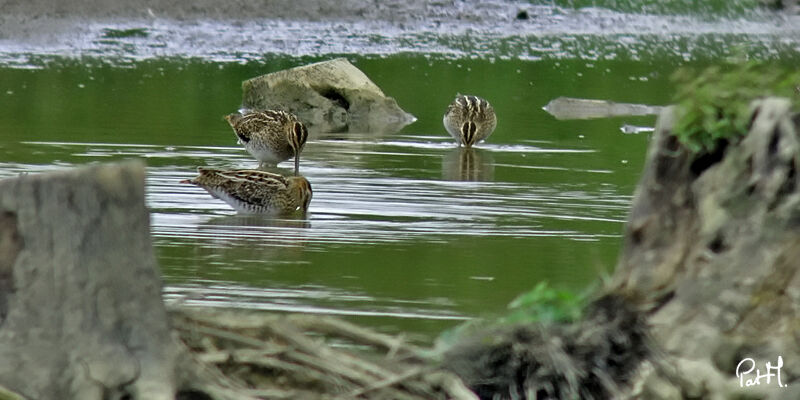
[(469, 120), (270, 136), (255, 192)]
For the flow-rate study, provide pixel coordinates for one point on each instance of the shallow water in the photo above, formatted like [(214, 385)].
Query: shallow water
[(405, 231)]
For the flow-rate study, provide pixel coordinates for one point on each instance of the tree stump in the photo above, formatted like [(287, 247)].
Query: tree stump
[(81, 314), (712, 253)]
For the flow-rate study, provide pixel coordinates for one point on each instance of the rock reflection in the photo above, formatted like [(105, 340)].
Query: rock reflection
[(468, 164)]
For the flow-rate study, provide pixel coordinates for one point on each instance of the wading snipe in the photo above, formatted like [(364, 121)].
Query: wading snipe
[(256, 192), (270, 136), (469, 120)]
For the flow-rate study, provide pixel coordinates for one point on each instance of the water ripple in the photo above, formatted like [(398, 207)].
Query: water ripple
[(317, 300), (216, 257)]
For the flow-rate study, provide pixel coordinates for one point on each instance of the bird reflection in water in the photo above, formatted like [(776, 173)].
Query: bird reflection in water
[(468, 164), (255, 237), (256, 220)]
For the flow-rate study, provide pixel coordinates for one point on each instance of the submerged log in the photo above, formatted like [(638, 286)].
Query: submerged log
[(80, 295), (573, 108), (329, 96)]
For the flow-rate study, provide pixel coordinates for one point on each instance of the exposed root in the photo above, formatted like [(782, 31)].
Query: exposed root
[(595, 358)]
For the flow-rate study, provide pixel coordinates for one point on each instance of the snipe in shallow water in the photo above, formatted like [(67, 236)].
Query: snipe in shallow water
[(469, 120), (256, 192), (270, 136)]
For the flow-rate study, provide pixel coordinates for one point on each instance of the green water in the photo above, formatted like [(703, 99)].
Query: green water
[(395, 237), (392, 238)]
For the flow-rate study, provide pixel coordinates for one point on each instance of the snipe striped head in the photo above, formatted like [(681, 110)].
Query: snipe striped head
[(301, 190), (469, 119), (296, 135)]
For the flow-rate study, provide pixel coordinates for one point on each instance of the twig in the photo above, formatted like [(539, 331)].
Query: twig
[(231, 336), (356, 333), (263, 347), (391, 381), (452, 386)]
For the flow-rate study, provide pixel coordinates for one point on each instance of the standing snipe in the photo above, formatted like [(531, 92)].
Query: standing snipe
[(255, 192), (270, 136), (469, 119)]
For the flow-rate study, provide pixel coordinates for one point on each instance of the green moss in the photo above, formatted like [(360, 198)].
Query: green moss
[(714, 104)]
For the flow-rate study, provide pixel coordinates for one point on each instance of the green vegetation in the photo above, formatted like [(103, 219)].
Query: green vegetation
[(543, 304), (714, 104)]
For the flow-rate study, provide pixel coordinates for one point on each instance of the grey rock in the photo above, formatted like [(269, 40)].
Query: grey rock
[(329, 96)]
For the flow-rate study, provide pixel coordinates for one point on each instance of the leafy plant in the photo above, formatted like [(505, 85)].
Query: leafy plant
[(714, 104), (541, 304), (544, 304)]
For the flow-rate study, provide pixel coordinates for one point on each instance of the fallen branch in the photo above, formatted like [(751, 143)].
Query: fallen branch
[(288, 355)]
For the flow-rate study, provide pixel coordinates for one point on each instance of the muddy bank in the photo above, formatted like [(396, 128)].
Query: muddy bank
[(47, 20), (246, 30), (308, 10)]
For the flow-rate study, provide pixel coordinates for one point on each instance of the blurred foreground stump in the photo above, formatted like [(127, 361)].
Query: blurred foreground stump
[(712, 253), (329, 96), (81, 314)]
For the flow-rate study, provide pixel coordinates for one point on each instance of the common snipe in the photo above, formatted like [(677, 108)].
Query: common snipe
[(270, 136), (256, 192), (469, 120)]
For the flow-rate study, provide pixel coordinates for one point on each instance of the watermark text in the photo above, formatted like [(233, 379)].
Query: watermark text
[(746, 368)]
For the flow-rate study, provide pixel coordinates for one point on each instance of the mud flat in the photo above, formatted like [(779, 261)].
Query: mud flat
[(249, 30)]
